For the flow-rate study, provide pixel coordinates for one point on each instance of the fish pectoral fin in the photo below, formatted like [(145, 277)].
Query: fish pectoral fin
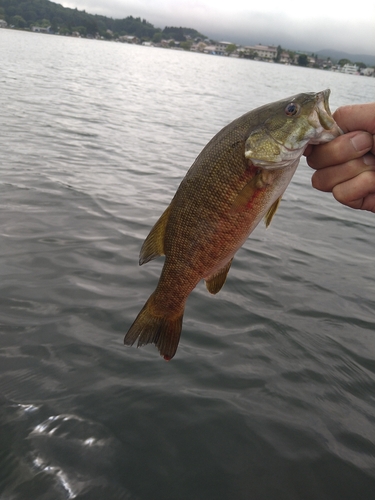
[(244, 197), (215, 282), (153, 246), (271, 212)]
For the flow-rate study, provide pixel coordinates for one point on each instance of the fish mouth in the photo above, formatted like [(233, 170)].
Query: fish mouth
[(322, 120)]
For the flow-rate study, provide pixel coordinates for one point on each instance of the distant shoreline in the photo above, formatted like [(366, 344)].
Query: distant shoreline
[(171, 44)]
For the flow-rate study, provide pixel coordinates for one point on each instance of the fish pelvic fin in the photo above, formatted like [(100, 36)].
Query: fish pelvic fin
[(149, 328), (215, 282), (271, 212), (153, 246)]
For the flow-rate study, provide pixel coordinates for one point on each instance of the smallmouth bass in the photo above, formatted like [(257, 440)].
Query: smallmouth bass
[(237, 179)]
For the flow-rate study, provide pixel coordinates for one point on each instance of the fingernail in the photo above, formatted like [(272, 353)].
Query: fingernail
[(361, 141), (369, 159)]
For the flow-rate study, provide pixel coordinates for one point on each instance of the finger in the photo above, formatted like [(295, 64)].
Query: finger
[(358, 192), (368, 203), (345, 147), (356, 117), (327, 178)]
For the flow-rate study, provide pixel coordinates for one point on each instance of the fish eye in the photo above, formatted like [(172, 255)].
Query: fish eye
[(292, 109)]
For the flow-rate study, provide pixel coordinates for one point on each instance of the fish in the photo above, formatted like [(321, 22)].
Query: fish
[(237, 180)]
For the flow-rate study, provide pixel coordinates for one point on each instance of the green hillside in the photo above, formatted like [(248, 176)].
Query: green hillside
[(25, 14)]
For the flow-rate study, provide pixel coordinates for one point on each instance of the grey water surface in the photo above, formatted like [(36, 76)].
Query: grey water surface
[(272, 392)]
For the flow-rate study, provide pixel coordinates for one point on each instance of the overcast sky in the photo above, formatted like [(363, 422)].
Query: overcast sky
[(309, 25)]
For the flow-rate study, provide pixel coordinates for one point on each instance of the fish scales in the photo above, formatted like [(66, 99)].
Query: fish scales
[(237, 179)]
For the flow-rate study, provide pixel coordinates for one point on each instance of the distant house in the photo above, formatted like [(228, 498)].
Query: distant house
[(3, 24), (129, 39), (198, 47), (368, 71), (40, 29), (325, 64), (210, 49), (168, 43), (284, 58), (221, 48)]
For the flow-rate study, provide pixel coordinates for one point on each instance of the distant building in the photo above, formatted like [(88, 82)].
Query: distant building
[(265, 52), (221, 48), (311, 61), (40, 29), (284, 58), (368, 71), (198, 47), (210, 49), (129, 39), (169, 43), (3, 24), (350, 69), (325, 64)]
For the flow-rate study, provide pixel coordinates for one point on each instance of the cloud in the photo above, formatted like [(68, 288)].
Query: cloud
[(289, 24)]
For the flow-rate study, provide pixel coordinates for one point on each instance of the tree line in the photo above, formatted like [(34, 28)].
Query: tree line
[(25, 14)]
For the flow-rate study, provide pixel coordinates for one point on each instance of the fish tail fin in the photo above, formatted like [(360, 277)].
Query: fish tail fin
[(149, 327)]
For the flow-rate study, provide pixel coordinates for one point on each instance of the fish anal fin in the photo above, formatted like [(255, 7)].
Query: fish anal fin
[(153, 246), (215, 282), (271, 212)]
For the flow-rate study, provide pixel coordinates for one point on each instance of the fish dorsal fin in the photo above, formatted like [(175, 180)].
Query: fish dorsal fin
[(271, 212), (153, 246), (215, 282), (244, 197)]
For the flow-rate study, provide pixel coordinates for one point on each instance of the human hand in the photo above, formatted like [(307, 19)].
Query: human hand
[(346, 165)]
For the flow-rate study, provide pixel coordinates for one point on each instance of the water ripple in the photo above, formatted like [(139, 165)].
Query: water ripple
[(271, 394)]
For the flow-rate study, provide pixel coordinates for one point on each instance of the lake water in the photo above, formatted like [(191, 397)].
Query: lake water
[(272, 392)]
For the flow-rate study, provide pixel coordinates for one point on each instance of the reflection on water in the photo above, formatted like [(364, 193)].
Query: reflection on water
[(271, 392)]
